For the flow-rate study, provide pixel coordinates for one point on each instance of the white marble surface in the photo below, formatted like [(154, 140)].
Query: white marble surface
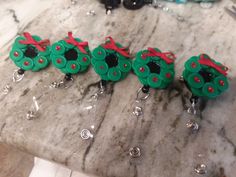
[(168, 149)]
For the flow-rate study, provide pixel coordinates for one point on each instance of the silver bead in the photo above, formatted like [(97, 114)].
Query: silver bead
[(86, 134), (135, 152), (192, 125), (137, 111), (200, 169)]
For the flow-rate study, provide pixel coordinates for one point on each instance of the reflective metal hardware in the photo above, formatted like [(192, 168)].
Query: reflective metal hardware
[(231, 12), (86, 134), (206, 5), (137, 111), (181, 78), (91, 13), (108, 12), (73, 2), (200, 169), (62, 83), (192, 109), (32, 114), (16, 77), (192, 125), (6, 89), (141, 96), (135, 152), (100, 91)]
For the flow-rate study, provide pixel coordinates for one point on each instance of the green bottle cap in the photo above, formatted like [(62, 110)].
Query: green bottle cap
[(140, 57), (167, 75), (99, 53), (124, 65), (114, 74), (16, 54), (154, 80), (72, 67), (27, 64), (221, 83), (17, 43), (83, 59), (41, 62), (193, 65), (209, 90), (58, 48), (195, 80), (165, 65), (142, 70), (83, 68), (101, 67), (46, 52), (58, 61)]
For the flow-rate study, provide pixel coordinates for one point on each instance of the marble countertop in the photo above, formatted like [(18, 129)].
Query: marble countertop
[(168, 149)]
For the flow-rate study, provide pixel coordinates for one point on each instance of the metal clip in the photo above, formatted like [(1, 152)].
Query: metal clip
[(201, 169), (191, 124), (6, 89), (16, 77), (135, 152), (139, 97), (32, 114), (65, 83)]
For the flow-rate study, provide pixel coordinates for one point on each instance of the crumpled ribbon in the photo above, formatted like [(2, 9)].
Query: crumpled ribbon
[(40, 45), (80, 45), (112, 45), (163, 55), (209, 62)]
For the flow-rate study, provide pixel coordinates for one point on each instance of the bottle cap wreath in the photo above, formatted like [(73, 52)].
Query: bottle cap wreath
[(111, 61), (205, 77), (30, 52), (71, 55), (154, 68)]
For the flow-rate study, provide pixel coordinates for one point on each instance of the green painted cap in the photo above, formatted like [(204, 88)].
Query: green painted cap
[(83, 59), (209, 90), (124, 65), (114, 74), (140, 57), (195, 80), (58, 61), (142, 70), (41, 62), (26, 63), (221, 83), (58, 48), (17, 43), (192, 64), (154, 80), (16, 54), (72, 67), (101, 67), (99, 53)]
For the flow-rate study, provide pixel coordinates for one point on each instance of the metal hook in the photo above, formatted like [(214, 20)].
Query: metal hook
[(32, 114), (16, 77), (140, 97), (65, 83), (200, 169)]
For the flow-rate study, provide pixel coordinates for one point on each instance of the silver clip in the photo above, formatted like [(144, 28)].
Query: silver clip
[(140, 97), (16, 77), (135, 152), (86, 134), (6, 89), (32, 114), (138, 111), (192, 109), (191, 124), (201, 169), (62, 83), (100, 91)]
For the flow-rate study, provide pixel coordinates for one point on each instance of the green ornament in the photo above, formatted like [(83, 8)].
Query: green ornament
[(203, 77), (152, 69), (71, 55), (30, 52), (111, 61)]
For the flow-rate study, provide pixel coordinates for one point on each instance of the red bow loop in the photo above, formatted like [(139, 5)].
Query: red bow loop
[(112, 45), (209, 62), (167, 56), (40, 45), (80, 45)]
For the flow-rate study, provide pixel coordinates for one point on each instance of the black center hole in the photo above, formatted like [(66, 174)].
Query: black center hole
[(206, 75), (31, 52), (71, 54), (154, 68), (111, 60)]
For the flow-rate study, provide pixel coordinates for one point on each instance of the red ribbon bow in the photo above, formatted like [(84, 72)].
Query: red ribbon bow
[(80, 45), (40, 45), (164, 56), (209, 62), (112, 45)]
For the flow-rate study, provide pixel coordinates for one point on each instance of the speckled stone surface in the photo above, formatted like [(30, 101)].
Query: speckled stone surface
[(168, 148)]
